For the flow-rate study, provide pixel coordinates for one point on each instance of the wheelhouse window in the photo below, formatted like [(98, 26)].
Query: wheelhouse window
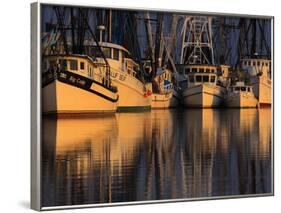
[(249, 89), (82, 65), (213, 78), (73, 64), (194, 69), (243, 89), (201, 70), (258, 63), (116, 54), (198, 78), (205, 78), (207, 70), (191, 79), (63, 64), (107, 52), (95, 52), (254, 63), (249, 63)]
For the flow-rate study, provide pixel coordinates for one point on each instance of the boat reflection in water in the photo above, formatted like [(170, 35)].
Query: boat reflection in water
[(162, 154)]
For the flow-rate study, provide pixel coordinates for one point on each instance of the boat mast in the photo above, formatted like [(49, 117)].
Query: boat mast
[(84, 17), (242, 41), (129, 34), (72, 30), (158, 43), (263, 41), (252, 36), (209, 39), (225, 30), (149, 39), (160, 53), (110, 26), (197, 45), (60, 14), (171, 39)]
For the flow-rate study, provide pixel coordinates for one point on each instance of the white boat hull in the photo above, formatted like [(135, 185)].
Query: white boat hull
[(161, 101), (262, 90), (203, 96), (165, 101), (133, 94), (62, 97), (241, 100)]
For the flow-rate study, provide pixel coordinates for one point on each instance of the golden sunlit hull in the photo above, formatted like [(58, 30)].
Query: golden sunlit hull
[(132, 95), (203, 96), (241, 100), (262, 90), (161, 101), (165, 101), (60, 97)]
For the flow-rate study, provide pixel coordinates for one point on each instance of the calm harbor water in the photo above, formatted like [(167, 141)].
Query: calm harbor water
[(162, 154)]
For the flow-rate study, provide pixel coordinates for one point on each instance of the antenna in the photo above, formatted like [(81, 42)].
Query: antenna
[(101, 28)]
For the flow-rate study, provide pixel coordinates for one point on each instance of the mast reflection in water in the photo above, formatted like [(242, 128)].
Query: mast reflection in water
[(163, 154)]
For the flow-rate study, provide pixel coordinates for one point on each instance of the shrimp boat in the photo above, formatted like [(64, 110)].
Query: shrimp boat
[(259, 70), (203, 89), (74, 81), (76, 84), (166, 96), (256, 60), (203, 86), (159, 66), (241, 96), (125, 74)]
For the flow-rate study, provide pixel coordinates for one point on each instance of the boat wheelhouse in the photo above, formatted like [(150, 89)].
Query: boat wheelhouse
[(164, 95), (125, 74), (77, 84), (259, 70), (163, 81), (241, 96), (202, 87)]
